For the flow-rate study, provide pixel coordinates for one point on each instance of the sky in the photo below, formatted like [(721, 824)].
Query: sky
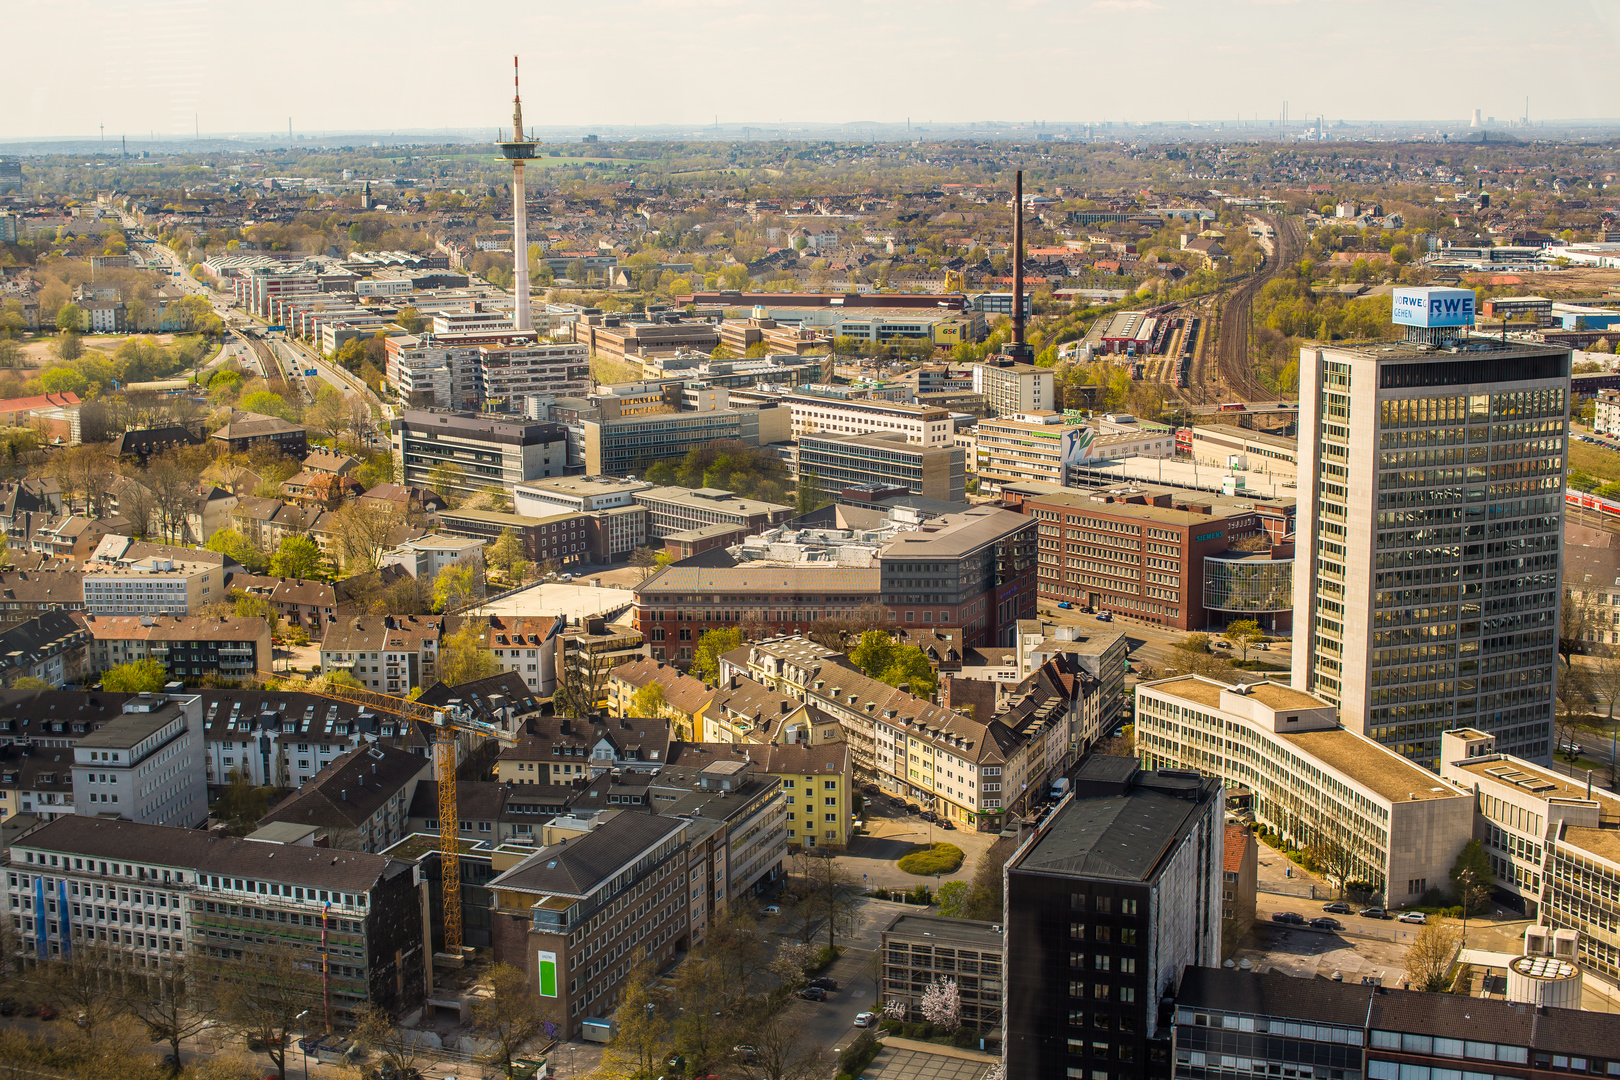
[(163, 66)]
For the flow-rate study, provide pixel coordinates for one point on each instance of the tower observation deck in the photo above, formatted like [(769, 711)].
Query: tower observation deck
[(517, 151)]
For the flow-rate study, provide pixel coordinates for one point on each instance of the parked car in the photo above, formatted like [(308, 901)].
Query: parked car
[(1065, 605), (929, 815), (1373, 913), (1105, 617), (865, 1019), (47, 1013), (824, 983), (1338, 907), (813, 993), (1325, 923), (1412, 917), (1292, 917), (1571, 748), (946, 825), (744, 1051), (770, 909)]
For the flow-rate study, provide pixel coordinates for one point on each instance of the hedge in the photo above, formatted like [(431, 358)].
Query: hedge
[(936, 859)]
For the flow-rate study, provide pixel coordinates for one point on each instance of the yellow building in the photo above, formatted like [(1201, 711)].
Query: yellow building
[(743, 710), (685, 698), (817, 785)]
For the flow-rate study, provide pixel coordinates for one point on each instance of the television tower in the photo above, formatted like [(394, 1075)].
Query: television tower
[(517, 152)]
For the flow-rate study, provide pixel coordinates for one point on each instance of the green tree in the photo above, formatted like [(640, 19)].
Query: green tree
[(457, 586), (807, 496), (465, 655), (242, 804), (910, 667), (70, 317), (447, 479), (61, 380), (951, 897), (135, 677), (269, 404), (711, 646), (875, 652), (297, 557), (510, 1015), (410, 320), (234, 546), (649, 700), (1471, 876), (644, 1028), (506, 550), (1244, 633), (13, 323)]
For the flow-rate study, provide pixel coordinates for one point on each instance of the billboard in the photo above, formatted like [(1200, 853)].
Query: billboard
[(1076, 446), (1433, 307), (548, 973)]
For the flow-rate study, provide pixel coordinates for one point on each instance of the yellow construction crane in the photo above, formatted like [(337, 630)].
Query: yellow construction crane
[(447, 724)]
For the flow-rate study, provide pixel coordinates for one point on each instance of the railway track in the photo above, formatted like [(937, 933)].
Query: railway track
[(1234, 352)]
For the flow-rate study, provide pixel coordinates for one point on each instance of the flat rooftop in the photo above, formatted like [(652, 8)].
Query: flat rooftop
[(1115, 837), (1544, 783), (947, 931), (128, 729), (1604, 843), (1388, 774)]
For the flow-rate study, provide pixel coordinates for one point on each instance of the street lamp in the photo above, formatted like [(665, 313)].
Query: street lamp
[(302, 1048)]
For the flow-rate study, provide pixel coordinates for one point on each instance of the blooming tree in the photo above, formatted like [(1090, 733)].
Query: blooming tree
[(895, 1007), (942, 1004)]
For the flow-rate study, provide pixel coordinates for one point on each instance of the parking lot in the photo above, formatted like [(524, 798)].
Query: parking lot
[(891, 832)]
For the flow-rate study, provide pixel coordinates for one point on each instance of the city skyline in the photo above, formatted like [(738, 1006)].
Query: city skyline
[(1365, 61)]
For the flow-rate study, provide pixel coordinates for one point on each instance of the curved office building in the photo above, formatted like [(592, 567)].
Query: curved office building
[(1251, 585)]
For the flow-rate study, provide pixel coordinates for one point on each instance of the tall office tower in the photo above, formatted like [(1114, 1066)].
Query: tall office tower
[(1431, 508), (517, 152)]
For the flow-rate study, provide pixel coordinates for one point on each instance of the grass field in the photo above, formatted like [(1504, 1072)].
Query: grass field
[(1594, 460)]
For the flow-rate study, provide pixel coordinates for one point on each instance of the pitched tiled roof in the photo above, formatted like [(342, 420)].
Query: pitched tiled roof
[(352, 788), (583, 863)]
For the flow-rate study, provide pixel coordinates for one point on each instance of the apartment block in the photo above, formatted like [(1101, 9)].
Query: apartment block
[(360, 800), (146, 765), (563, 538), (1112, 897), (976, 570), (835, 462), (151, 586), (921, 425), (388, 654), (1010, 388), (190, 646), (485, 452), (1310, 779), (509, 375), (1431, 525)]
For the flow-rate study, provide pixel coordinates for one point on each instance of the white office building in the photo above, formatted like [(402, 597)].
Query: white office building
[(922, 425), (1010, 388)]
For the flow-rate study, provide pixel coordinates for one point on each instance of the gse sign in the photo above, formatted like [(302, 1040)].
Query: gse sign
[(1433, 307)]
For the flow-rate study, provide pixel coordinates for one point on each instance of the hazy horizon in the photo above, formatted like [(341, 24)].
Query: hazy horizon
[(172, 66)]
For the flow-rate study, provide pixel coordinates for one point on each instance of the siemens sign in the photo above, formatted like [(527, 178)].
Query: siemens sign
[(1206, 536), (1433, 307)]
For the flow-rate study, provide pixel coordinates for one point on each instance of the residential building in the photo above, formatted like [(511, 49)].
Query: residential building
[(491, 813), (741, 709), (920, 950), (146, 765), (561, 538), (684, 698), (1115, 894), (678, 509), (1606, 417), (559, 750), (387, 653), (425, 556), (526, 646), (143, 443), (486, 451), (68, 536), (1100, 653), (1147, 552), (561, 917), (591, 648), (361, 800), (975, 570), (28, 592), (359, 917), (1310, 779), (151, 586), (37, 731), (1417, 612), (834, 462), (49, 646), (245, 430), (921, 425), (1240, 872), (190, 646), (1010, 388), (628, 445), (739, 835)]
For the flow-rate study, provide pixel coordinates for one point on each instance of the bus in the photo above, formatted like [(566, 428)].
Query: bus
[(1233, 406)]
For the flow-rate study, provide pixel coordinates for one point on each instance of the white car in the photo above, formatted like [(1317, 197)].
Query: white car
[(865, 1019), (1412, 917), (770, 909)]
